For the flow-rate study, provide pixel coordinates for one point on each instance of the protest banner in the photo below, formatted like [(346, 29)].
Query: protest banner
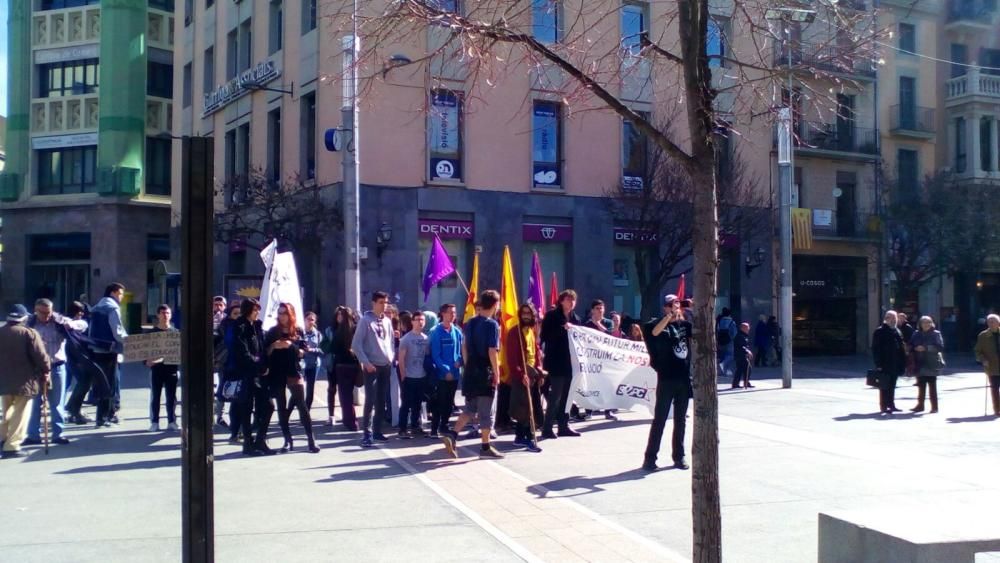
[(153, 345), (609, 372)]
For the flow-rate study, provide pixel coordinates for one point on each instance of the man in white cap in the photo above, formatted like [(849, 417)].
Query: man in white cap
[(668, 340), (25, 371)]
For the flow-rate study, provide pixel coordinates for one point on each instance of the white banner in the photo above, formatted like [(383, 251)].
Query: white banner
[(609, 372), (281, 285)]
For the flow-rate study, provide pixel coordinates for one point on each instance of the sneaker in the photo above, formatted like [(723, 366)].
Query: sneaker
[(521, 442), (434, 434), (366, 442), (490, 453), (418, 432), (114, 419), (568, 432), (154, 427), (60, 441), (13, 455), (380, 438), (31, 442), (221, 423), (449, 445), (548, 435), (533, 447), (493, 435), (472, 434), (404, 435), (610, 416), (234, 441), (172, 427), (650, 467), (682, 465), (329, 421)]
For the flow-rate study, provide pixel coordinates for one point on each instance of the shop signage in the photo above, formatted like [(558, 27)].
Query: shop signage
[(67, 54), (534, 232), (822, 217), (626, 236), (62, 141), (258, 75), (444, 228)]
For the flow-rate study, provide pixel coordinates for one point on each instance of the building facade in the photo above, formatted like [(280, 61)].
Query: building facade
[(482, 168), (87, 182)]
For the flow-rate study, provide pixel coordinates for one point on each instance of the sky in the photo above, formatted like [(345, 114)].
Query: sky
[(3, 59)]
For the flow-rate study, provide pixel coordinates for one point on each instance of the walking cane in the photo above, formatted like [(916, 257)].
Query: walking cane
[(45, 415)]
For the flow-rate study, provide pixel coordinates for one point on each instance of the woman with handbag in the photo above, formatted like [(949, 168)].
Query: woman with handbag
[(285, 348), (346, 367), (927, 346)]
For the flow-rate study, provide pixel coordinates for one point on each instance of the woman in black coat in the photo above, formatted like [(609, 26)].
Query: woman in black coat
[(285, 348), (927, 346), (890, 361), (246, 357)]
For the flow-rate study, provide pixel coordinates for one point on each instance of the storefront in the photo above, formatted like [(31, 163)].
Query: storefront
[(456, 235), (830, 305), (551, 239), (632, 247)]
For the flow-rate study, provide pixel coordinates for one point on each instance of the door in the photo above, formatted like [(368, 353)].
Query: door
[(846, 210), (907, 102), (62, 284), (845, 122)]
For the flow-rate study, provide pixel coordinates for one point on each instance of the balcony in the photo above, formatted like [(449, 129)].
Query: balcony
[(160, 29), (69, 26), (970, 15), (69, 114), (850, 225), (912, 121), (825, 140), (825, 58), (973, 87)]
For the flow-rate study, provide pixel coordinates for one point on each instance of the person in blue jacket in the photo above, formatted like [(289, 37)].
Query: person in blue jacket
[(446, 355)]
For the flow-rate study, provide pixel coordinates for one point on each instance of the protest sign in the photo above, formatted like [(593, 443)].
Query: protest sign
[(153, 345), (609, 372)]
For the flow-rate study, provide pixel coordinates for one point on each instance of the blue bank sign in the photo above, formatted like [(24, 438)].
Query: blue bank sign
[(258, 75)]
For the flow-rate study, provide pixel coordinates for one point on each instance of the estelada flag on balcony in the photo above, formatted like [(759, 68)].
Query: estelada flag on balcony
[(801, 228), (439, 267)]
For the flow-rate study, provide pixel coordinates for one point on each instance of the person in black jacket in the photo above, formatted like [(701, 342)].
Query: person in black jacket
[(557, 362), (744, 356), (889, 354), (285, 348), (669, 343), (246, 357)]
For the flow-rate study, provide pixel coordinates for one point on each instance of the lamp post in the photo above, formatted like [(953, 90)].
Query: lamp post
[(352, 210)]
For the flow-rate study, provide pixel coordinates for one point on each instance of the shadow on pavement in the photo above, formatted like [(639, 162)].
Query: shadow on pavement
[(959, 420), (876, 416), (590, 484), (148, 464)]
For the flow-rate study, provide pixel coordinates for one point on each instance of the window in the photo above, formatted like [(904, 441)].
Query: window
[(308, 16), (545, 20), (445, 135), (66, 171), (907, 102), (209, 3), (69, 78), (960, 144), (246, 46), (715, 41), (60, 4), (186, 94), (546, 144), (907, 174), (276, 27), (208, 71), (989, 59), (797, 191), (907, 38), (959, 58), (188, 12), (633, 28), (160, 80), (157, 247), (847, 211), (165, 5), (635, 151), (985, 142), (157, 166), (232, 54), (230, 154), (308, 128), (243, 148), (274, 147)]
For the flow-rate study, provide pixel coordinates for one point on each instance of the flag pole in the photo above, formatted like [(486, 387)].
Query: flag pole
[(527, 388)]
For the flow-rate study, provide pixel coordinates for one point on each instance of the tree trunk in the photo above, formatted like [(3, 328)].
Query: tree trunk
[(699, 97)]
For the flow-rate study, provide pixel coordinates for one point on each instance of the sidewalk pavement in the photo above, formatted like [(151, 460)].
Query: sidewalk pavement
[(785, 455)]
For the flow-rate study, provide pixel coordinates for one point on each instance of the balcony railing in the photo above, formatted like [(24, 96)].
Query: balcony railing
[(911, 118), (855, 224), (830, 137), (978, 11), (974, 83), (827, 58)]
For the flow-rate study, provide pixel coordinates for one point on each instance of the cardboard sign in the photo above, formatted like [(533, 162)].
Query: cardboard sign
[(154, 345)]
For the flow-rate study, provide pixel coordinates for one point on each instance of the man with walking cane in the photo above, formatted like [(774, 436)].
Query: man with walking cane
[(26, 369), (988, 354), (523, 357)]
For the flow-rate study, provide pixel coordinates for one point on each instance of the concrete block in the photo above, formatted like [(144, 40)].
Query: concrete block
[(899, 537), (988, 557)]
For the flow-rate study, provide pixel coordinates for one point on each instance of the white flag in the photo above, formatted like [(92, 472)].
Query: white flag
[(281, 285)]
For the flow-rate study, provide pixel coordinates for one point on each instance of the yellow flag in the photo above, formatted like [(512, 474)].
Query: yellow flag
[(801, 228), (470, 303), (508, 305)]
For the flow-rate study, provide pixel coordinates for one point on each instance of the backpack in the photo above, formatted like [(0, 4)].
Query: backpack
[(722, 335)]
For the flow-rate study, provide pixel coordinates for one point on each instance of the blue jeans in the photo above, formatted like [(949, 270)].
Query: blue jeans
[(57, 393)]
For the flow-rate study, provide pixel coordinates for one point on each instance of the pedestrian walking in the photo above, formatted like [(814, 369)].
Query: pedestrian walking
[(558, 364), (725, 333), (889, 354), (761, 342), (373, 345), (447, 344), (743, 357), (668, 341), (523, 355), (53, 329), (928, 351), (163, 377), (482, 375), (413, 349), (988, 354), (24, 375), (285, 350), (346, 374), (312, 338), (108, 334)]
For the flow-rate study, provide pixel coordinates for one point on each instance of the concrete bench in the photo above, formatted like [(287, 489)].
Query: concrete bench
[(907, 537), (988, 557)]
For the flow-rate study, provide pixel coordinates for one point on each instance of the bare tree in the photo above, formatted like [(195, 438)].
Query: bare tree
[(586, 63)]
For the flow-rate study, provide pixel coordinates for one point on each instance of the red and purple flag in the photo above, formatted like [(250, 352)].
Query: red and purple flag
[(536, 289)]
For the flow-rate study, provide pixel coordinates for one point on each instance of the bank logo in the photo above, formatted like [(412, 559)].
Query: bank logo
[(445, 169), (548, 233), (546, 177)]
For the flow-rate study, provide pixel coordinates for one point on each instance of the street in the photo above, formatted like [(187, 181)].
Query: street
[(114, 494)]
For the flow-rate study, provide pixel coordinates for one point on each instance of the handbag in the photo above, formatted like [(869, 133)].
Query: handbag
[(359, 378), (871, 379), (939, 361), (231, 389)]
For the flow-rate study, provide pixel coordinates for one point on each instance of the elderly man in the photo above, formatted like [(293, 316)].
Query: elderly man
[(52, 328), (889, 353), (25, 371), (988, 354)]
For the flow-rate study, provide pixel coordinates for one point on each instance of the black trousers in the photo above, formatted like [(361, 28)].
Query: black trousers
[(556, 399), (285, 406), (106, 401), (923, 382), (444, 403), (995, 393), (503, 406), (158, 384), (886, 391), (254, 401), (310, 374), (412, 391), (678, 394), (742, 373)]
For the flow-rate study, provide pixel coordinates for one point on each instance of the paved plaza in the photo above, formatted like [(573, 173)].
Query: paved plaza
[(786, 455)]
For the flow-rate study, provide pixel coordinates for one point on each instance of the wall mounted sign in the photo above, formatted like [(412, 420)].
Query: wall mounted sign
[(534, 232), (62, 141), (43, 56), (445, 228), (627, 236), (822, 217), (257, 75)]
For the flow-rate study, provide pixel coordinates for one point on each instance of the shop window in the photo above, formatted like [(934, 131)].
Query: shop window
[(445, 124)]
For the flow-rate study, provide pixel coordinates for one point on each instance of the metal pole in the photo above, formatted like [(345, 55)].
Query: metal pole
[(785, 195), (197, 506), (352, 191)]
